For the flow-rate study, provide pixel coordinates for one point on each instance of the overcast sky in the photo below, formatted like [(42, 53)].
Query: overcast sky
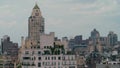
[(64, 17)]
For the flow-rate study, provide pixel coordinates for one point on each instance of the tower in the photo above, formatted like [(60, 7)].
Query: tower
[(95, 41), (35, 24), (95, 36), (112, 38)]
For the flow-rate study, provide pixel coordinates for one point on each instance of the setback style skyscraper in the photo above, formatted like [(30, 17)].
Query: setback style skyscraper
[(95, 36), (40, 50), (94, 42), (35, 24)]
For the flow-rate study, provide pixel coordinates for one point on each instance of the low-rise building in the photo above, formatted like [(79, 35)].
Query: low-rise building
[(35, 57)]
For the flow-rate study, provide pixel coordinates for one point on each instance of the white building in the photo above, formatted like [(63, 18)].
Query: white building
[(41, 51), (47, 55), (36, 58)]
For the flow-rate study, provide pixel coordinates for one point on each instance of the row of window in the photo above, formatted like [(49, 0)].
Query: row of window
[(48, 64), (27, 52), (59, 58), (52, 58), (48, 58), (59, 63)]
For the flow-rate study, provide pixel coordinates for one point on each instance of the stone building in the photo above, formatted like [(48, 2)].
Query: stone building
[(35, 24), (40, 50)]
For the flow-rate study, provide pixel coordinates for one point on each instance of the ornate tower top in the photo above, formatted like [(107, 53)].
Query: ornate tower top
[(36, 7), (36, 11)]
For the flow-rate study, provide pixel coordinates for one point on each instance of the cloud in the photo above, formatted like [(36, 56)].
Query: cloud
[(96, 8)]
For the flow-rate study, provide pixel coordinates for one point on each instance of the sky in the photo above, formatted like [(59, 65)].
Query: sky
[(64, 17)]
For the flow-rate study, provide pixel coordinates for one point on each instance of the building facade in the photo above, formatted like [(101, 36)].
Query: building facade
[(40, 50), (112, 39), (9, 48), (94, 41), (35, 24), (38, 58)]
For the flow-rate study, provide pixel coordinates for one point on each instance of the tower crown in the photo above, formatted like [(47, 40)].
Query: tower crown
[(36, 11), (36, 7)]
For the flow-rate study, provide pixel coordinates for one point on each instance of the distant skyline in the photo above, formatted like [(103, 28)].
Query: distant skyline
[(64, 17)]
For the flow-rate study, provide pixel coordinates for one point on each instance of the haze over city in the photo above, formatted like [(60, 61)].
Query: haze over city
[(60, 34), (64, 17)]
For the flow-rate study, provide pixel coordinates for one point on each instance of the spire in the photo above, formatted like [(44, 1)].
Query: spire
[(36, 6)]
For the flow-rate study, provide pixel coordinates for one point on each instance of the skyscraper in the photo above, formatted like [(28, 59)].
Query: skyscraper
[(40, 50), (9, 48), (94, 42), (35, 24), (112, 38), (95, 36)]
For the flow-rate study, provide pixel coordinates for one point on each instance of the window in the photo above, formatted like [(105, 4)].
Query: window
[(26, 58), (47, 46), (38, 47), (39, 52), (39, 64), (26, 52), (72, 58), (31, 47), (44, 46), (39, 58), (34, 58), (45, 58), (59, 58), (43, 63), (58, 63), (54, 58)]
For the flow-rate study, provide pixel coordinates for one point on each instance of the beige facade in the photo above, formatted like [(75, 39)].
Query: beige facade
[(38, 50), (35, 24), (47, 40)]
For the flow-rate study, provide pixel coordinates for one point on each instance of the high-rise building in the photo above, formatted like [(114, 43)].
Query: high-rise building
[(94, 41), (42, 50), (35, 24), (95, 37), (112, 39), (103, 41), (78, 39), (9, 48)]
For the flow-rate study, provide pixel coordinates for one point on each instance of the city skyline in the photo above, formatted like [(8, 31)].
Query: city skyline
[(60, 16)]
